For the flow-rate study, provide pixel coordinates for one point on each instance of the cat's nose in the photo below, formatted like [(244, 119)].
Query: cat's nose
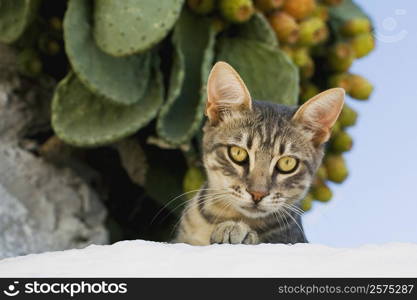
[(257, 196)]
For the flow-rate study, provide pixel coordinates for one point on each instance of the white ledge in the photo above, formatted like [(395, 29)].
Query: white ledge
[(150, 259)]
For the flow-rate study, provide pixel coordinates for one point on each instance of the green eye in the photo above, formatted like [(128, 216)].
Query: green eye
[(287, 164), (237, 154)]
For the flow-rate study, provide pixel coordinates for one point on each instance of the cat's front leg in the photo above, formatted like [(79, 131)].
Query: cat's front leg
[(231, 232)]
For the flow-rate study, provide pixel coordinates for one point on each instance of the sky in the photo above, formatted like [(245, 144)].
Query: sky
[(378, 202)]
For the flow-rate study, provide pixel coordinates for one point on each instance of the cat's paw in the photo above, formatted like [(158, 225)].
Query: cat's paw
[(231, 232)]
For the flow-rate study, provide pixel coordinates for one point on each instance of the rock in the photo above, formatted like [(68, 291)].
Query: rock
[(42, 207)]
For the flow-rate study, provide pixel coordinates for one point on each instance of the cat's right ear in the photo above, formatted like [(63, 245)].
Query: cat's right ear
[(226, 93), (320, 113)]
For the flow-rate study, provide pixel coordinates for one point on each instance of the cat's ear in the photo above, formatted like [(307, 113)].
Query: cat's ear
[(320, 113), (226, 92)]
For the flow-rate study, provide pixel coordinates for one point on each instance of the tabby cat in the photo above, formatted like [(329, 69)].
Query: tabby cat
[(260, 159)]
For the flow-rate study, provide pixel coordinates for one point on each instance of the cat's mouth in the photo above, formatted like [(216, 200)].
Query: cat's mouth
[(253, 208)]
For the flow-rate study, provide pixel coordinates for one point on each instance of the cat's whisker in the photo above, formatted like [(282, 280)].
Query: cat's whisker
[(295, 221), (213, 199), (190, 201), (187, 209), (287, 199), (221, 213), (276, 217), (204, 199), (178, 197), (192, 206), (295, 208), (292, 208), (286, 224)]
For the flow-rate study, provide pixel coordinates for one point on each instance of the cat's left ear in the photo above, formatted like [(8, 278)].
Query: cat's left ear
[(226, 93), (320, 113)]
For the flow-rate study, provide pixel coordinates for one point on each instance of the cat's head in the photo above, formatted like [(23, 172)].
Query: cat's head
[(264, 155)]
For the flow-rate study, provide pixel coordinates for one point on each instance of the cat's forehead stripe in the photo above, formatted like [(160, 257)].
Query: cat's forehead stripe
[(281, 148), (238, 137), (249, 141)]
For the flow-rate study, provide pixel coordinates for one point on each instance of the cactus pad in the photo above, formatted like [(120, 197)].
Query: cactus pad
[(266, 70), (122, 80), (182, 114), (131, 26), (258, 29), (82, 118), (15, 15)]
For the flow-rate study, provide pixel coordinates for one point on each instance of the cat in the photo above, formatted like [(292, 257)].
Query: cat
[(260, 159)]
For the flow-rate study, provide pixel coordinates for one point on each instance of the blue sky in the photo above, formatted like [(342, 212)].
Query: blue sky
[(378, 203)]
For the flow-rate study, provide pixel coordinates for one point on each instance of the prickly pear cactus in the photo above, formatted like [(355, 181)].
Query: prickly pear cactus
[(15, 16), (122, 80), (82, 118), (258, 28), (117, 55), (130, 26), (266, 70), (182, 114)]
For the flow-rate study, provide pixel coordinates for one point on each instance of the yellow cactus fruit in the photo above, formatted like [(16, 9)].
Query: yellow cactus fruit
[(307, 203), (341, 57), (336, 128), (336, 168), (308, 91), (285, 27), (299, 9), (359, 87), (348, 116), (301, 56), (268, 5), (340, 80), (341, 142), (307, 71), (321, 173), (321, 192), (362, 44), (356, 26), (219, 24), (236, 11), (313, 31), (321, 12)]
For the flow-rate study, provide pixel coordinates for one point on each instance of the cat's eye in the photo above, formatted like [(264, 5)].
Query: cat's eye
[(287, 164), (237, 154)]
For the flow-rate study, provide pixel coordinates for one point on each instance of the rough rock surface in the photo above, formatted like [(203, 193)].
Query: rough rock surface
[(42, 207)]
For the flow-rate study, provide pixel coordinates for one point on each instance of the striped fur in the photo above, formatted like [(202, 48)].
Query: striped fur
[(224, 211), (267, 133)]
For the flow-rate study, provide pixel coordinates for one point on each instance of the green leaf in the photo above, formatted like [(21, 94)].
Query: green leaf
[(84, 119), (258, 29), (130, 26), (15, 15), (266, 70), (182, 114), (122, 80)]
